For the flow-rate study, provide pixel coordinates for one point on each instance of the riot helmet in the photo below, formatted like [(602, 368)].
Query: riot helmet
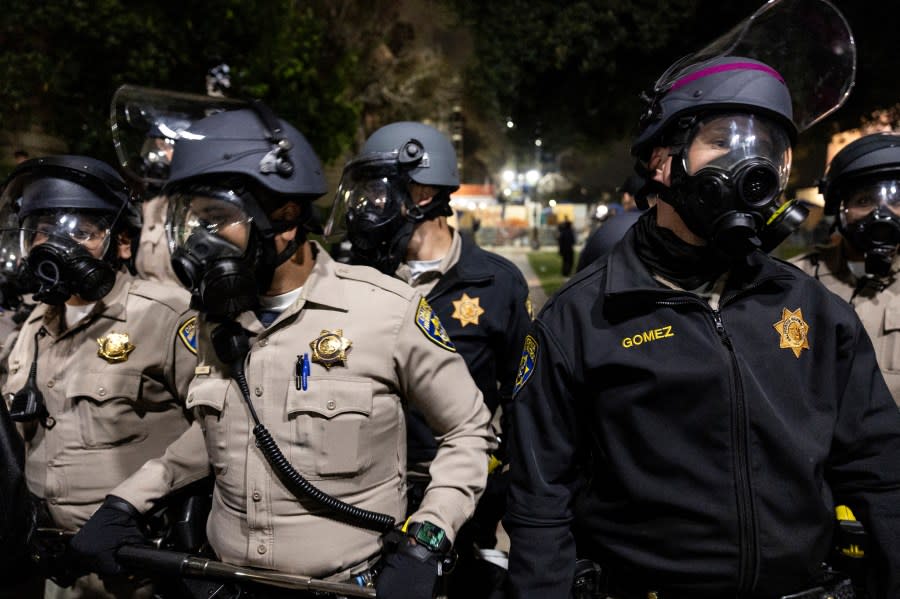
[(376, 203), (730, 114), (70, 210), (862, 188), (229, 172)]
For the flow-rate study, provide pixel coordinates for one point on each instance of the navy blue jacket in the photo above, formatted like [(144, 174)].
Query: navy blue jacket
[(491, 348), (696, 451)]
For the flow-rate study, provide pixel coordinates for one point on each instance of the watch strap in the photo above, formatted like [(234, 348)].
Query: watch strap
[(430, 536)]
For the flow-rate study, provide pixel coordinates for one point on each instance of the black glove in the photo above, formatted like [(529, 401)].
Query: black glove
[(410, 571), (113, 525)]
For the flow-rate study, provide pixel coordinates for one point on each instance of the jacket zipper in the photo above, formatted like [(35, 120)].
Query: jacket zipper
[(740, 441), (748, 541)]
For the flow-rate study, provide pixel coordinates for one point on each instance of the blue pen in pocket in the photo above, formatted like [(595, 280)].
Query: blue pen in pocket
[(301, 371)]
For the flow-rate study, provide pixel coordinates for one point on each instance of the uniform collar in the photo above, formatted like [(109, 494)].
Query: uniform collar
[(112, 306), (467, 269), (448, 261), (627, 274), (322, 288)]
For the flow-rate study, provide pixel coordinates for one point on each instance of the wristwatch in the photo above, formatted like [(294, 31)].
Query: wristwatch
[(430, 536)]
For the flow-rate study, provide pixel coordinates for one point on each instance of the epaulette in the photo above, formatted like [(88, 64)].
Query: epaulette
[(173, 296), (367, 274)]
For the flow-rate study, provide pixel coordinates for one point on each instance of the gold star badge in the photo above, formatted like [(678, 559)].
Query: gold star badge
[(467, 310), (330, 348), (115, 347), (793, 330)]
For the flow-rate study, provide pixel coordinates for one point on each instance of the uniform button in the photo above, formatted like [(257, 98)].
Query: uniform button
[(330, 405), (257, 496), (261, 549), (50, 383), (101, 391), (258, 391), (263, 342)]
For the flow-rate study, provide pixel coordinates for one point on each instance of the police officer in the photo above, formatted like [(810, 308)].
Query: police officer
[(395, 199), (15, 304), (309, 355), (144, 123), (613, 228), (862, 189), (99, 372), (689, 410), (152, 259)]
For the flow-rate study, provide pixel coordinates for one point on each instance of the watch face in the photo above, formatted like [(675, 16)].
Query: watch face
[(430, 535)]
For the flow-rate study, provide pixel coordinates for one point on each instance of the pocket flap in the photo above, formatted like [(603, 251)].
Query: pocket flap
[(331, 397), (892, 318), (206, 391), (104, 386)]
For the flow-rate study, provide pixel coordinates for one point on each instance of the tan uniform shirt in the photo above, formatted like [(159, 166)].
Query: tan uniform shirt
[(110, 415), (879, 311), (152, 261), (345, 433)]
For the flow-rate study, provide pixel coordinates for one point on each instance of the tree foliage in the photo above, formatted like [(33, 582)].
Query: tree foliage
[(62, 61)]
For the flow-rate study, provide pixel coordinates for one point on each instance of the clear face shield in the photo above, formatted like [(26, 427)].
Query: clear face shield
[(91, 231), (214, 249), (373, 209), (751, 150), (145, 123), (371, 193), (808, 42), (12, 283), (10, 248), (67, 252), (208, 222), (879, 195), (870, 221)]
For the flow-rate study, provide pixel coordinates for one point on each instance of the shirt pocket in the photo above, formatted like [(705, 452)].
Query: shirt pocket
[(330, 427), (107, 408), (206, 397)]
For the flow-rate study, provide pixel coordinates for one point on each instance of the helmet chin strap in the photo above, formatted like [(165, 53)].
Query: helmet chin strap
[(439, 206), (266, 267)]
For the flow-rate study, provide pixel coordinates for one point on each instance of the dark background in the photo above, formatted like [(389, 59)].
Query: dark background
[(566, 72)]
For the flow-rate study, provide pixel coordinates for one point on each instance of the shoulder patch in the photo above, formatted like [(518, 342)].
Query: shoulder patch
[(430, 324), (187, 332), (526, 364)]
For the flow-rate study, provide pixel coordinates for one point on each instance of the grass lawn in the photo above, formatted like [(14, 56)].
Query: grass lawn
[(548, 266)]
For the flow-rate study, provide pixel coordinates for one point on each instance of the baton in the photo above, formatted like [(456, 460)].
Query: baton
[(191, 566)]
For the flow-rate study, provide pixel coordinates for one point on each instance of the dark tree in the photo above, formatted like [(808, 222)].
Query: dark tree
[(62, 61)]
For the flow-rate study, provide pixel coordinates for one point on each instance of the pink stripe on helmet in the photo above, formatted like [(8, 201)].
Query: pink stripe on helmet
[(734, 66)]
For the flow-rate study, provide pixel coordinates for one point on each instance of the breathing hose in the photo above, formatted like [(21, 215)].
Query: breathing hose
[(232, 345)]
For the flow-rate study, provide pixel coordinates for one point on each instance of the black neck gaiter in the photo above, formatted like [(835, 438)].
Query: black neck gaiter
[(665, 254)]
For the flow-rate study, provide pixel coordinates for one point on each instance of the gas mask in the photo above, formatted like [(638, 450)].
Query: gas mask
[(869, 221), (376, 226), (64, 255), (156, 156), (375, 205), (727, 180), (218, 250)]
